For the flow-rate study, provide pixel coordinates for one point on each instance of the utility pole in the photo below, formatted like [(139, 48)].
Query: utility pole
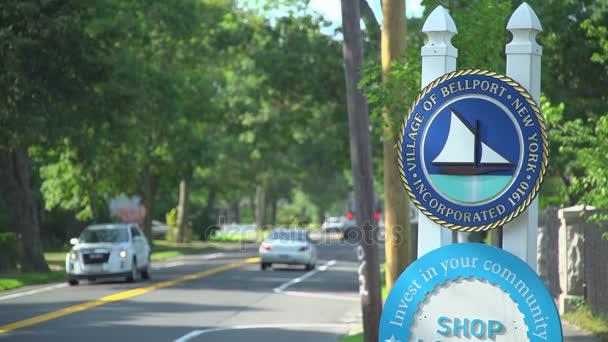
[(361, 162), (400, 239)]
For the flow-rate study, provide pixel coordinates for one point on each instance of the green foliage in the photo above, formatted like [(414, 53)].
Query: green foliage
[(103, 93), (595, 30), (581, 148), (481, 31), (570, 39), (388, 96), (479, 18), (226, 237), (577, 124), (300, 212)]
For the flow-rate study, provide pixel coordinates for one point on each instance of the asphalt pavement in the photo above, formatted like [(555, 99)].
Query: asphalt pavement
[(214, 297), (222, 297)]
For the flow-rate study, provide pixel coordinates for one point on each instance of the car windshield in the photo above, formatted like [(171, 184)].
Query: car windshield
[(294, 235), (104, 235)]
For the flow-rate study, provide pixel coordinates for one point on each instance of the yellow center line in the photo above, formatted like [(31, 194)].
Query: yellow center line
[(120, 296)]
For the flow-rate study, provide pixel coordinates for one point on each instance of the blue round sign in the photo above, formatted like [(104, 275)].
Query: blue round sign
[(473, 150), (469, 291)]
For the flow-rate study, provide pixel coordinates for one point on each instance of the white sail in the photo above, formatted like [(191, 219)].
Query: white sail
[(460, 145), (489, 156)]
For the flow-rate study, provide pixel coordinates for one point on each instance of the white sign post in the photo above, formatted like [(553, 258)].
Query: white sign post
[(438, 58), (523, 65), (472, 153)]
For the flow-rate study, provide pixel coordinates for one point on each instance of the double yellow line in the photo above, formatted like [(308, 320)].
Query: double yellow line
[(121, 296)]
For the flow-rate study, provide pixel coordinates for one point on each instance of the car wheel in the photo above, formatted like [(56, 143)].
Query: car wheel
[(73, 282), (264, 266), (310, 267), (133, 276), (145, 273)]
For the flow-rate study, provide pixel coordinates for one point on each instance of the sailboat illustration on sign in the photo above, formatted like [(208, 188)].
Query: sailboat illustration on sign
[(463, 152)]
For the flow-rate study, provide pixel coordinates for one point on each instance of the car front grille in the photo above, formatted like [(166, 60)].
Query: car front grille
[(95, 258)]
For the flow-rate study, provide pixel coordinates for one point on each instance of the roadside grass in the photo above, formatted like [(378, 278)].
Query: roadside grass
[(15, 280), (164, 249), (235, 237), (229, 237), (582, 317)]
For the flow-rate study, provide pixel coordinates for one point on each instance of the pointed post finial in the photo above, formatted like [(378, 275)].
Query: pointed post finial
[(524, 25), (438, 58), (523, 65), (439, 21), (439, 28), (524, 18)]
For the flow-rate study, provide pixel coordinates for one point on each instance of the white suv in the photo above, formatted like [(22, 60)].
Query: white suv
[(109, 250)]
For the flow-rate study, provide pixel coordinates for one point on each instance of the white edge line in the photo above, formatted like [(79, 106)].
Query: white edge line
[(320, 296), (305, 276), (33, 292), (196, 333), (59, 286)]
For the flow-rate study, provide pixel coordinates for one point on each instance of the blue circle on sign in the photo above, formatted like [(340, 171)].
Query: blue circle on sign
[(491, 265), (473, 150), (459, 114)]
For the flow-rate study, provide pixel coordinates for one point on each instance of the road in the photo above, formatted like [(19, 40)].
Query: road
[(217, 297), (225, 298)]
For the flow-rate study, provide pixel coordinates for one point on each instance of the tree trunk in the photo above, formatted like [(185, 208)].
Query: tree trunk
[(260, 208), (149, 198), (496, 235), (93, 204), (93, 198), (371, 25), (273, 216), (211, 200), (321, 216), (15, 188), (182, 209), (236, 212), (398, 238), (361, 162), (251, 204)]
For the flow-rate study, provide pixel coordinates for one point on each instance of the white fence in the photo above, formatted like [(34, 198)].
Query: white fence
[(439, 57)]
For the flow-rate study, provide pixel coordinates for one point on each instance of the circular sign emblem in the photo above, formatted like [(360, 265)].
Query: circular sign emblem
[(432, 300), (473, 150)]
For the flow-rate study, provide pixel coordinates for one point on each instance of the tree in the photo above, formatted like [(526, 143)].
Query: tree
[(391, 88), (369, 273), (581, 141), (51, 65), (166, 67), (399, 237)]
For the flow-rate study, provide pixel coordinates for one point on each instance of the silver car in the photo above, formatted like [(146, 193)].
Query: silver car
[(288, 246), (108, 250)]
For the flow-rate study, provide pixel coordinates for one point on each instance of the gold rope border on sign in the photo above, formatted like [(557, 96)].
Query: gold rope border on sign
[(545, 156)]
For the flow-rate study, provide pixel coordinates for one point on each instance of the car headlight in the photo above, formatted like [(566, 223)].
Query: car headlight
[(122, 253), (73, 255)]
